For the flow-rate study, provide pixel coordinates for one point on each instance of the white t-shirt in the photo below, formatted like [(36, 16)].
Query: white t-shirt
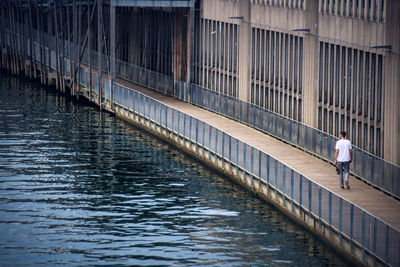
[(344, 147)]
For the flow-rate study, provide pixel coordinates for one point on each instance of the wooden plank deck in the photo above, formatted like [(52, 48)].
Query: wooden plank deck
[(372, 200)]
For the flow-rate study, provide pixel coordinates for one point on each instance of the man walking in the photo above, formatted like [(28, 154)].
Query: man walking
[(343, 157)]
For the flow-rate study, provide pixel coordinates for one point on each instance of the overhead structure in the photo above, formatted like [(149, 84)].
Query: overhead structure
[(153, 3)]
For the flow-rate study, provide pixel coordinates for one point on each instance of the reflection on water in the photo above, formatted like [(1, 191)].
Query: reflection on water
[(80, 187)]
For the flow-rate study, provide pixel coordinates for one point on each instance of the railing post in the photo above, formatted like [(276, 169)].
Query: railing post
[(291, 189), (319, 203), (204, 136), (284, 184), (197, 134), (252, 166), (209, 143), (351, 221), (237, 157), (309, 196), (276, 180), (330, 208), (374, 240), (259, 169), (223, 147), (363, 236), (179, 124), (341, 220), (301, 190), (190, 129), (387, 245), (230, 149), (216, 145), (244, 161), (184, 126)]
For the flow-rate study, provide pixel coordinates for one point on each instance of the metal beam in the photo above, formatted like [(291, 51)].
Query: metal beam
[(152, 3)]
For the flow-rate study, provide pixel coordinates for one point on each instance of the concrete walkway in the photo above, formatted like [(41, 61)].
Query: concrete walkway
[(375, 202)]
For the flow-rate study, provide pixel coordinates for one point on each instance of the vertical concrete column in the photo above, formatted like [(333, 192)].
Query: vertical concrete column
[(310, 61), (178, 48), (190, 47), (244, 49), (391, 84)]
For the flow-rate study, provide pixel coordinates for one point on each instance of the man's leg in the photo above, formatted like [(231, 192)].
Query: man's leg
[(340, 167), (346, 166)]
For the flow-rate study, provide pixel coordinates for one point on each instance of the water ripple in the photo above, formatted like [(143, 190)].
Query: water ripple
[(80, 187)]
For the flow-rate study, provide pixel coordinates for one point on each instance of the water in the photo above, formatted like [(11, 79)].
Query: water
[(80, 187)]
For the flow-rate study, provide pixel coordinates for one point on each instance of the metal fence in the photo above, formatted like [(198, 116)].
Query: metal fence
[(376, 171), (363, 229), (348, 220)]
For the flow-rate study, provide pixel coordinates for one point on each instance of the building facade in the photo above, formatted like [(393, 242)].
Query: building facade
[(333, 65)]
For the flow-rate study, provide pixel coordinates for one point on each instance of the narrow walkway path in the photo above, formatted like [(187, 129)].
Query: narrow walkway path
[(375, 202)]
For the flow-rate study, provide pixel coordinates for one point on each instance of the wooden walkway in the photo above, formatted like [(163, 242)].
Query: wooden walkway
[(372, 200)]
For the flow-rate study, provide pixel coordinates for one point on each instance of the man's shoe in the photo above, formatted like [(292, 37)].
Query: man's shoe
[(342, 187), (347, 185)]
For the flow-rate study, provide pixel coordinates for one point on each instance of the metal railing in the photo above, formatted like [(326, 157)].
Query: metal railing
[(366, 166), (351, 222)]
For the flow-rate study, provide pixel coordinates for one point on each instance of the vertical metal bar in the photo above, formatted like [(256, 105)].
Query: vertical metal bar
[(276, 179), (100, 50), (237, 157), (78, 83), (230, 149), (216, 145), (259, 168), (309, 196), (57, 46), (363, 236), (190, 129), (387, 244), (49, 41), (74, 47), (197, 133), (112, 49), (89, 22), (319, 202), (32, 53), (184, 126), (209, 142), (248, 113), (267, 171), (179, 123), (284, 184), (252, 166), (223, 145), (244, 160), (204, 136), (340, 218), (291, 189), (374, 240), (351, 222), (330, 208), (301, 190), (41, 40), (166, 121)]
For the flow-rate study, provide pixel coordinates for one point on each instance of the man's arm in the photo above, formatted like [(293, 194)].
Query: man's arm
[(337, 153), (351, 155)]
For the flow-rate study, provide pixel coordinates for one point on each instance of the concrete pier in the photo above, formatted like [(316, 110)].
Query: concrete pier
[(280, 159)]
